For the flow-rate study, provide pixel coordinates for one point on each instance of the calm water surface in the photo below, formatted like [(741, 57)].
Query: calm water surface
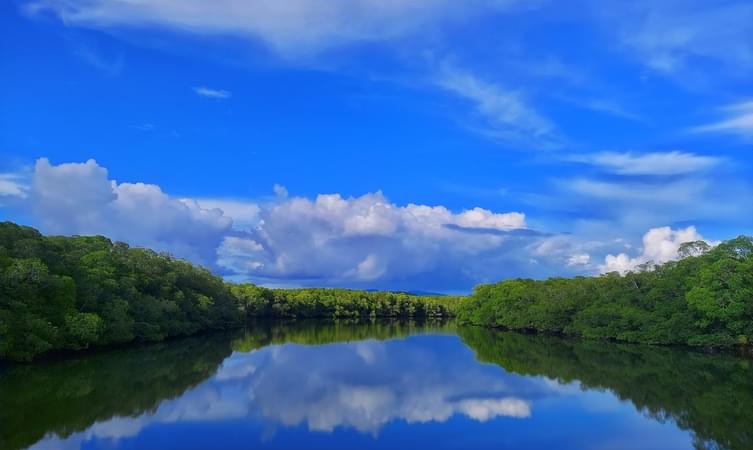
[(330, 386)]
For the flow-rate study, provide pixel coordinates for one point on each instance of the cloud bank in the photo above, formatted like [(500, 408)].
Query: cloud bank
[(367, 238), (331, 240)]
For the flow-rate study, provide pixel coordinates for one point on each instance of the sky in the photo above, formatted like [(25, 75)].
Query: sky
[(386, 144)]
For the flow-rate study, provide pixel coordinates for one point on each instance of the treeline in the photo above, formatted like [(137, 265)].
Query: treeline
[(75, 292), (72, 293), (258, 301), (704, 299), (319, 332)]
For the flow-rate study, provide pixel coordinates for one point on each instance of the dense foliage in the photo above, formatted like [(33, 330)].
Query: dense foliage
[(704, 299), (257, 301), (71, 293), (74, 292)]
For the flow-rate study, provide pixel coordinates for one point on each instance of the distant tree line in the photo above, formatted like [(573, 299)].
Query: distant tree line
[(704, 299), (72, 293), (258, 301)]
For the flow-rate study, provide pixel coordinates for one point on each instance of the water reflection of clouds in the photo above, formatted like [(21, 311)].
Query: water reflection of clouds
[(361, 386)]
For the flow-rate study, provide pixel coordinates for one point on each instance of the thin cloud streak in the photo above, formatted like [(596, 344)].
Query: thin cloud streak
[(212, 93), (651, 163), (738, 121)]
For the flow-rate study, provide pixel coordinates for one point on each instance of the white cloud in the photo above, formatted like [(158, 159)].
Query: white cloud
[(280, 190), (364, 241), (677, 192), (485, 409), (12, 185), (79, 198), (637, 203), (659, 246), (367, 238), (292, 27), (212, 93), (506, 114), (607, 106), (739, 121), (652, 163), (580, 259), (243, 212)]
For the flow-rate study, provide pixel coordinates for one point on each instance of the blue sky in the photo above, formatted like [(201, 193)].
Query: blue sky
[(389, 144)]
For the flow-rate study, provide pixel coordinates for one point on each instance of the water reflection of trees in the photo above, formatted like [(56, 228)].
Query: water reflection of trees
[(319, 332), (711, 395), (64, 397), (707, 394)]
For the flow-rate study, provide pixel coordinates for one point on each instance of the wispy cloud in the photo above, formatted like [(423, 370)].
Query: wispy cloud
[(652, 163), (293, 29), (668, 36), (212, 93), (640, 193), (738, 120), (506, 114), (608, 107), (112, 66)]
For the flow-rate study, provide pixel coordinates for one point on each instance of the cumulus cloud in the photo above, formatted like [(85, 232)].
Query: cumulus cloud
[(360, 239), (739, 121), (212, 93), (79, 198), (651, 163), (244, 213), (659, 246), (330, 240), (506, 114)]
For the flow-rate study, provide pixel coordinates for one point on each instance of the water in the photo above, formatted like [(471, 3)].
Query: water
[(382, 385)]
